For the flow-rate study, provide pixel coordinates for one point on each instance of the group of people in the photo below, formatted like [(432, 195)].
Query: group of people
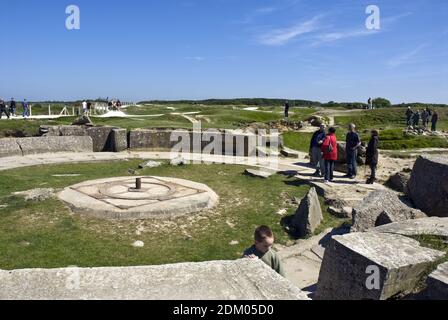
[(425, 116), (11, 109), (324, 153)]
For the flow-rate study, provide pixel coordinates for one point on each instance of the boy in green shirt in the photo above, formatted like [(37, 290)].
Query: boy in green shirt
[(262, 249)]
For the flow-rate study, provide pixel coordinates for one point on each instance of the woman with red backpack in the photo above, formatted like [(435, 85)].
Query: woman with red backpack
[(330, 153)]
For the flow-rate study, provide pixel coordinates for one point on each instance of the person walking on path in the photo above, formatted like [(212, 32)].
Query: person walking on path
[(352, 143), (316, 152), (3, 109), (372, 156), (84, 107), (26, 109), (434, 120), (330, 153), (12, 107)]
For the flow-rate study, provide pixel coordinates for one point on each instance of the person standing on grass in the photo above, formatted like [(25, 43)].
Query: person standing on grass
[(316, 152), (372, 156), (424, 117), (26, 109), (352, 143), (416, 118), (330, 153), (409, 114), (262, 249), (434, 120), (287, 109)]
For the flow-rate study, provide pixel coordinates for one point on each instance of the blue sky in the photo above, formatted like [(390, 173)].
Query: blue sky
[(195, 49)]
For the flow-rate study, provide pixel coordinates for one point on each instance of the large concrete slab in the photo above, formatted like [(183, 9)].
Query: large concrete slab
[(243, 279), (9, 148), (428, 187), (393, 264), (434, 226), (38, 145)]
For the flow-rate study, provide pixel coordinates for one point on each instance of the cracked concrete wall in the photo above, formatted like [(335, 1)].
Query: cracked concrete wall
[(10, 147)]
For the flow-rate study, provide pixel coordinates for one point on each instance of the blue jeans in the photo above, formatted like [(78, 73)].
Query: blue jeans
[(352, 165), (329, 168), (26, 112)]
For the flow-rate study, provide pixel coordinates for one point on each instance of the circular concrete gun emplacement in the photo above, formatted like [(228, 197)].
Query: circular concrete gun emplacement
[(128, 198)]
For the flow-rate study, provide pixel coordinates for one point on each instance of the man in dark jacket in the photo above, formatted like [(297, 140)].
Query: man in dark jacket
[(409, 114), (3, 109), (372, 156), (316, 152), (353, 142), (287, 109), (12, 107), (416, 118), (434, 120)]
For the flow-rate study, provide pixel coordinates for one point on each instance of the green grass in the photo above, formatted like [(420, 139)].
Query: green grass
[(297, 140), (58, 238)]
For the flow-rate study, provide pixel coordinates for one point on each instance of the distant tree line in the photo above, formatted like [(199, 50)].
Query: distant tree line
[(266, 102)]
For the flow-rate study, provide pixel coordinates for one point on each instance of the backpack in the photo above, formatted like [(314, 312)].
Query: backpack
[(329, 147)]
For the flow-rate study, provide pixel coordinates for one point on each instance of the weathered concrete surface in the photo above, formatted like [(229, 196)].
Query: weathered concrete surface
[(151, 139), (400, 263), (40, 145), (428, 186), (399, 181), (434, 226), (9, 148), (379, 208), (227, 142), (101, 137), (302, 260), (119, 140), (243, 279), (160, 198), (62, 130), (309, 214), (289, 153), (437, 283)]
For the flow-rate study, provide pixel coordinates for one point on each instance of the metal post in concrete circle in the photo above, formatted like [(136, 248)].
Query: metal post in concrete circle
[(138, 184)]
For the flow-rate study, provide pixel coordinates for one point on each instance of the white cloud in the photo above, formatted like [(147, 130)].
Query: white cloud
[(405, 58), (197, 58), (279, 37), (340, 35)]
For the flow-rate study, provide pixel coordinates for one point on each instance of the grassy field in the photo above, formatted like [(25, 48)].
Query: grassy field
[(46, 234), (390, 122), (219, 117)]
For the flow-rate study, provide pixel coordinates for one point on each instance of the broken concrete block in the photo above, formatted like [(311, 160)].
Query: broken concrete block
[(382, 207), (309, 214), (372, 266)]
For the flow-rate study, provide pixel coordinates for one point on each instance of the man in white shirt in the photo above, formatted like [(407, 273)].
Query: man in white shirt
[(84, 107)]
